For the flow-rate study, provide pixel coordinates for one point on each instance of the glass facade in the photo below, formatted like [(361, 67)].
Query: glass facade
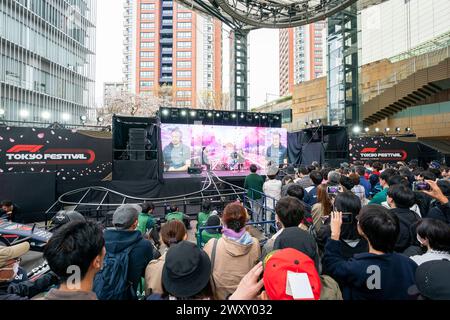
[(47, 62), (343, 68)]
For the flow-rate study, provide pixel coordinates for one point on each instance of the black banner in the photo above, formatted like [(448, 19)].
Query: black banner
[(382, 149), (73, 155)]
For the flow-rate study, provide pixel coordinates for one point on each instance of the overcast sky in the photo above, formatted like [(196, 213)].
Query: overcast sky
[(263, 53)]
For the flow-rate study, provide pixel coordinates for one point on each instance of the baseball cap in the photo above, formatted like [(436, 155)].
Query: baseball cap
[(432, 280), (186, 270), (272, 170), (63, 217), (13, 252), (126, 215), (435, 165), (291, 275)]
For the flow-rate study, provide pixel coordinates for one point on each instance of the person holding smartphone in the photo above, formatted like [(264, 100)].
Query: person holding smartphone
[(351, 242)]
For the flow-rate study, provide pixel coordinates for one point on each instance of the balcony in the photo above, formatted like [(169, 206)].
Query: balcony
[(167, 4), (166, 59), (166, 31), (167, 22), (166, 79), (167, 13), (166, 41), (166, 50), (166, 70)]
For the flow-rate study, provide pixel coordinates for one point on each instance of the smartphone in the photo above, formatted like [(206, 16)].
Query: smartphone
[(333, 190), (421, 185), (347, 217)]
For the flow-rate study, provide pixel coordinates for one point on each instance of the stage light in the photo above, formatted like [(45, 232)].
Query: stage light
[(356, 129), (387, 129), (46, 115), (277, 118), (183, 113), (210, 114), (312, 121), (24, 113), (256, 116), (242, 116), (165, 112), (398, 129), (83, 119), (377, 129), (306, 123), (264, 117), (100, 120), (366, 129), (408, 129), (2, 112), (233, 115), (193, 113), (318, 121)]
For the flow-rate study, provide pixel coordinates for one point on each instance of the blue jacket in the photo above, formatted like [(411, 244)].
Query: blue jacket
[(396, 274), (140, 255), (311, 197), (366, 185)]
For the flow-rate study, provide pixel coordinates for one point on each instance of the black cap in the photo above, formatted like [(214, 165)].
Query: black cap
[(432, 280), (63, 217), (186, 270)]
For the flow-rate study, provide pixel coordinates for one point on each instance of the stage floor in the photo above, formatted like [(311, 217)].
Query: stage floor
[(220, 174)]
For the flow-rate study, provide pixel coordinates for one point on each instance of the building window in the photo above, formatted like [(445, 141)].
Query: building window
[(147, 35), (184, 64), (184, 94), (147, 6), (147, 25), (146, 84), (147, 64), (147, 54), (184, 74), (184, 44), (183, 35), (147, 74), (184, 25), (147, 16), (184, 84), (150, 44), (184, 15), (183, 103), (184, 54)]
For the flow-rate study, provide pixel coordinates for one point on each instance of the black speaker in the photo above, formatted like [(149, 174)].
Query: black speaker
[(194, 170)]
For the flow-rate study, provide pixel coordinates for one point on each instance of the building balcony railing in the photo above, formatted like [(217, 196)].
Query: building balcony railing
[(166, 41), (167, 4), (165, 79), (166, 60), (166, 50), (166, 31)]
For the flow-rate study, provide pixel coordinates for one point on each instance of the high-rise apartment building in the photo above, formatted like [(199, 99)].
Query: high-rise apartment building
[(47, 59), (112, 90), (167, 44), (302, 55)]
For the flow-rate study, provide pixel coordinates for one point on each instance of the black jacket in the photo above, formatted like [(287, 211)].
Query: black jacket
[(407, 236), (27, 289), (140, 255), (440, 212)]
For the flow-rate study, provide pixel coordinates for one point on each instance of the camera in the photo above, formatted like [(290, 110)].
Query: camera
[(419, 186)]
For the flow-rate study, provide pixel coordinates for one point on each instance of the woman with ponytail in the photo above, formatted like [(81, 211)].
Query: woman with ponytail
[(172, 233), (233, 255)]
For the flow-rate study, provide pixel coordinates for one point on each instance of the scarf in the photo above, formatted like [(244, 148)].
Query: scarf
[(241, 237)]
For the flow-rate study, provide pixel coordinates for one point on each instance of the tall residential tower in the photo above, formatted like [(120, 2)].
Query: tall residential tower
[(167, 44)]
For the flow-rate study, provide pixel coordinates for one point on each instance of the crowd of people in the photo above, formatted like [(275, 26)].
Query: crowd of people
[(364, 231)]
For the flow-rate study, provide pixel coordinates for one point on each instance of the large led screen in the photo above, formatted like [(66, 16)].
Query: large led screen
[(221, 148)]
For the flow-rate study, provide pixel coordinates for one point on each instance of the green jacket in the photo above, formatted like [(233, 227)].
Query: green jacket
[(206, 236), (175, 216), (380, 197), (145, 222), (202, 218), (254, 181)]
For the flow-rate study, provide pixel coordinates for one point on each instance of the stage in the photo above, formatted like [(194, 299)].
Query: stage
[(220, 174)]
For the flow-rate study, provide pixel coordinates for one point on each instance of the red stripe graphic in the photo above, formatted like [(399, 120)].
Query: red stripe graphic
[(25, 148)]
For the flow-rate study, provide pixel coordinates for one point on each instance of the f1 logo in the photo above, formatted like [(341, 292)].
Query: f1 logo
[(25, 148)]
